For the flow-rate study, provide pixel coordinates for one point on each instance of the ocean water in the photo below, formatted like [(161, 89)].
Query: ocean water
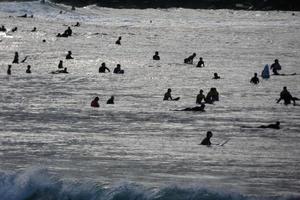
[(53, 145)]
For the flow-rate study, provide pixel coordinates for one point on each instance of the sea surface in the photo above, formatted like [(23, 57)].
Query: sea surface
[(54, 146)]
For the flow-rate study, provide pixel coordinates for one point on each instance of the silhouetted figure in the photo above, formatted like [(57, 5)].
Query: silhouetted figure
[(168, 95), (77, 24), (95, 103), (16, 58), (68, 32), (200, 97), (103, 68), (286, 96), (275, 67), (118, 42), (212, 96), (111, 100), (14, 29), (118, 70), (265, 74), (273, 126), (63, 71), (24, 59), (196, 108), (73, 7), (200, 63), (216, 76), (69, 55), (34, 29), (28, 70), (9, 70), (60, 64), (206, 141), (2, 28), (156, 56), (23, 16), (189, 60), (254, 79)]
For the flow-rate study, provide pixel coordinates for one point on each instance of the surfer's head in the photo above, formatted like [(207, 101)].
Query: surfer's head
[(276, 60), (277, 123), (169, 90), (209, 133)]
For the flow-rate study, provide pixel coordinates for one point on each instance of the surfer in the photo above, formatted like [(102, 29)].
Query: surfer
[(118, 42), (118, 70), (216, 76), (265, 74), (156, 56), (168, 95), (2, 29), (200, 62), (196, 108), (273, 126), (68, 32), (254, 79), (16, 58), (69, 55), (63, 71), (189, 60), (275, 67), (212, 96), (34, 29), (103, 68), (206, 140), (14, 29), (200, 97), (111, 100), (9, 70), (60, 64), (286, 96), (28, 70), (77, 24), (95, 103)]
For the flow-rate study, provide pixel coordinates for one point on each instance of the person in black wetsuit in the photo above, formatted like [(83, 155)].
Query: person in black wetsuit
[(103, 68), (34, 29), (273, 126), (111, 100), (156, 56), (200, 97), (16, 58), (95, 103), (9, 70), (69, 55), (275, 67), (60, 64), (14, 29), (206, 141), (286, 96), (196, 108), (212, 96), (200, 62), (118, 70), (254, 79), (118, 42), (28, 70), (216, 76), (189, 60), (2, 29), (168, 95)]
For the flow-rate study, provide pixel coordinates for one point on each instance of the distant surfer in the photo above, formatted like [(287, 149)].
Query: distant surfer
[(103, 68), (271, 126), (156, 56), (118, 42), (9, 70), (212, 96), (200, 97), (14, 29), (216, 76), (69, 55), (118, 70), (111, 100), (2, 28), (16, 58), (276, 67), (34, 29), (200, 62), (195, 109), (95, 103), (265, 74), (254, 79), (60, 64), (206, 140), (286, 96), (28, 70), (168, 96), (189, 60)]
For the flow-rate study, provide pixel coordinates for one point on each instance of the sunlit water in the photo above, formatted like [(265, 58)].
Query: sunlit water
[(46, 121)]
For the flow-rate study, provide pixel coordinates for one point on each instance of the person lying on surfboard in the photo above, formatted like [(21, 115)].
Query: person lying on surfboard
[(200, 97), (196, 108), (168, 96), (272, 126)]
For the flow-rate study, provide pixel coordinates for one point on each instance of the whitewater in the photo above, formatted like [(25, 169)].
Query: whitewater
[(53, 145)]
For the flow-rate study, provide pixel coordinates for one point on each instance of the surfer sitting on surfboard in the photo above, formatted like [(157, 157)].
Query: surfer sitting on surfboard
[(286, 96), (156, 56), (200, 97), (95, 103), (272, 126), (275, 67), (189, 60), (206, 141), (168, 96)]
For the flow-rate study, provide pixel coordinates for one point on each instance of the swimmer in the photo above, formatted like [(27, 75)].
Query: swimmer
[(95, 103), (168, 95), (275, 67), (200, 63), (206, 141), (254, 79), (156, 56), (110, 100), (103, 68), (60, 64), (286, 96), (189, 60)]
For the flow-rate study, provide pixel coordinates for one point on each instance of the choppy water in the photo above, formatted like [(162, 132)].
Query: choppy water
[(52, 142)]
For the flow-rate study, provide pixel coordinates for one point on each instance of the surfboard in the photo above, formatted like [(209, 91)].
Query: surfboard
[(266, 72), (176, 99)]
